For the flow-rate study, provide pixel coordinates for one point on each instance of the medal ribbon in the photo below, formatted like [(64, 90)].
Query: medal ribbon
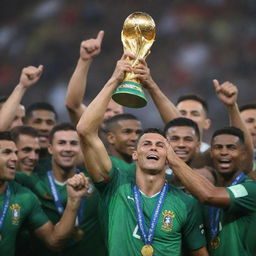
[(148, 238), (5, 206), (215, 212), (58, 202)]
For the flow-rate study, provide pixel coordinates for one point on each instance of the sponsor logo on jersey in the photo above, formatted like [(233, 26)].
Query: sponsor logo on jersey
[(15, 214), (168, 217)]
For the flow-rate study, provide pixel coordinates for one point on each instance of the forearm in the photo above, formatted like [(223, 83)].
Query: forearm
[(9, 108), (77, 84), (93, 115), (166, 108), (196, 184), (64, 228)]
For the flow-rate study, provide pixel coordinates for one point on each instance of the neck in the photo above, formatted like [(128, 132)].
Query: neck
[(149, 184), (226, 180), (3, 186), (123, 156), (62, 175)]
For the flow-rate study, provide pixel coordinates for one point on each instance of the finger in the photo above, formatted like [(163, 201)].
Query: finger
[(128, 55), (100, 36), (216, 83)]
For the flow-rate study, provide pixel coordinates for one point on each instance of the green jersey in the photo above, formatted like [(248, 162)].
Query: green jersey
[(91, 242), (24, 209), (237, 224), (178, 220)]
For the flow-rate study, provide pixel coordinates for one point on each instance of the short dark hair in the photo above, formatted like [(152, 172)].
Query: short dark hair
[(151, 130), (40, 106), (247, 106), (111, 122), (3, 99), (23, 130), (61, 127), (231, 130), (6, 135), (182, 121), (194, 97)]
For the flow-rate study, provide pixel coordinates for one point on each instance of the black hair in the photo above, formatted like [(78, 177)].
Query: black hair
[(247, 106), (110, 123), (23, 130), (40, 106), (61, 127), (3, 99), (5, 135), (194, 97), (230, 130), (182, 121)]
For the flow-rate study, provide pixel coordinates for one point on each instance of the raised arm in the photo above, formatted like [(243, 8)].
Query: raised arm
[(96, 157), (55, 235), (227, 94), (166, 108), (29, 76), (77, 84), (196, 184)]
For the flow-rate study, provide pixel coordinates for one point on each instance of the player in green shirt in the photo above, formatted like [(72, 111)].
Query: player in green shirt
[(231, 212), (141, 213), (19, 206), (64, 148)]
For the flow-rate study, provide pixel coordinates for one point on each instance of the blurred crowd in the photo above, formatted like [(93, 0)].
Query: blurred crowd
[(196, 41)]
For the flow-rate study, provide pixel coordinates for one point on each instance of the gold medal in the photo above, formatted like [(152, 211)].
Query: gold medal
[(215, 243), (78, 234), (147, 250)]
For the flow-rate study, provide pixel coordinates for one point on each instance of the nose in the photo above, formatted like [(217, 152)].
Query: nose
[(180, 143), (134, 136), (224, 151)]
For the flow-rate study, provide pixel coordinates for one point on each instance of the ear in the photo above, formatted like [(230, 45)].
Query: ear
[(134, 156), (207, 124), (111, 138), (50, 149)]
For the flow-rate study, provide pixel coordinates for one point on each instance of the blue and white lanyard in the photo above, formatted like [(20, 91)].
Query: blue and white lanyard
[(5, 206), (215, 211), (148, 238), (58, 202)]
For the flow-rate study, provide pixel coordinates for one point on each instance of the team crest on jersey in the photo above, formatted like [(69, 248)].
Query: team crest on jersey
[(15, 213), (167, 220)]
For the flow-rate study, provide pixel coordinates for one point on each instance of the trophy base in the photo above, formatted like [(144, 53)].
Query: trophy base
[(130, 94)]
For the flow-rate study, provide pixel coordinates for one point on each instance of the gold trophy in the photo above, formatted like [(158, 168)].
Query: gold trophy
[(137, 36)]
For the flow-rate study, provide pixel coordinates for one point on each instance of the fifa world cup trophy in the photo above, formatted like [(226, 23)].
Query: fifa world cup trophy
[(137, 36)]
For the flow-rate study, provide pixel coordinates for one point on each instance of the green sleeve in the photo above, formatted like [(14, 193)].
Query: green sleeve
[(25, 180), (193, 229), (36, 217), (243, 197)]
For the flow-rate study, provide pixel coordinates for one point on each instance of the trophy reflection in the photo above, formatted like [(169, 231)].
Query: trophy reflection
[(137, 36)]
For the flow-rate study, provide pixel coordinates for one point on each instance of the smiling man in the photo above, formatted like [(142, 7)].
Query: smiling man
[(21, 208), (231, 211), (50, 187), (141, 214), (27, 143)]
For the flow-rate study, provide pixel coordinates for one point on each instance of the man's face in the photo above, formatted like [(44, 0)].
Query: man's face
[(194, 110), (227, 154), (65, 149), (249, 117), (18, 119), (28, 152), (43, 121), (184, 142), (113, 109), (151, 153), (124, 136), (8, 160)]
